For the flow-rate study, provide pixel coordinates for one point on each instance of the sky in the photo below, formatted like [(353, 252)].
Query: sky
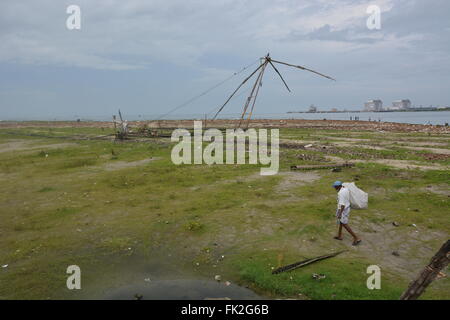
[(148, 57)]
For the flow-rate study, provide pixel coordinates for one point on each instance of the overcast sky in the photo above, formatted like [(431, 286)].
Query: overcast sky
[(146, 57)]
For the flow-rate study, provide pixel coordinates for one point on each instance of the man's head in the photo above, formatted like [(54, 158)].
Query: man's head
[(337, 185)]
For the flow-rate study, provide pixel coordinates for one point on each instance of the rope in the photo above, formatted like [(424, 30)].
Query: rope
[(206, 91), (214, 110)]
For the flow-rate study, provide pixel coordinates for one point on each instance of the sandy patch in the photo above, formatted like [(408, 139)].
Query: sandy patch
[(365, 146), (423, 144), (21, 145), (404, 164), (343, 139), (438, 189), (411, 243), (292, 179), (335, 159), (432, 150), (117, 165)]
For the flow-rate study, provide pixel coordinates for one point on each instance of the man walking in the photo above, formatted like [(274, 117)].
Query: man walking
[(343, 212)]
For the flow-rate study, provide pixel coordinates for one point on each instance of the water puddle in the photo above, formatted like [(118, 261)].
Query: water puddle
[(181, 290)]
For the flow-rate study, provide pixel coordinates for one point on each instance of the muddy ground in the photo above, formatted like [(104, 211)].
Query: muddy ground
[(138, 224), (259, 123)]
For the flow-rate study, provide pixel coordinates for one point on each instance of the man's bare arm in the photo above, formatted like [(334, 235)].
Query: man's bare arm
[(341, 209)]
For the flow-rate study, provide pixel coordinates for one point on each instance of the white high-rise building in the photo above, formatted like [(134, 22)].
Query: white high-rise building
[(373, 105), (401, 105)]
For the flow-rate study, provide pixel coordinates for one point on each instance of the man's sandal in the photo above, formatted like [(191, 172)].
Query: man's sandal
[(355, 243), (337, 238)]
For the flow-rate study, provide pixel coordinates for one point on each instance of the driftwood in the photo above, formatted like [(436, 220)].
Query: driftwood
[(323, 166), (305, 262), (428, 274)]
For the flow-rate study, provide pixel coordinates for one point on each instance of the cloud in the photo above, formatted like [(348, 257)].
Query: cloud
[(189, 46), (133, 34)]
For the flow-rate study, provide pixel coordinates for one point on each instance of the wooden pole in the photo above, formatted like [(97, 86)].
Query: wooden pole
[(242, 83), (252, 93), (303, 68), (256, 95), (428, 274), (276, 70)]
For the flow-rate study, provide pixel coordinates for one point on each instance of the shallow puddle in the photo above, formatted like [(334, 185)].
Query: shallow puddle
[(181, 290)]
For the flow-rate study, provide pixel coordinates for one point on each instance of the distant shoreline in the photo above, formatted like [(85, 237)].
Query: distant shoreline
[(345, 125), (415, 117), (363, 111)]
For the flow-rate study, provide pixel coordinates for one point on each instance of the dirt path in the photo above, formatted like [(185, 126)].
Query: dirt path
[(404, 164), (21, 145), (117, 165), (403, 249)]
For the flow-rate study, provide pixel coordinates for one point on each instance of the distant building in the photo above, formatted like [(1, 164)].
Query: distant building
[(312, 108), (373, 105), (334, 110), (401, 105)]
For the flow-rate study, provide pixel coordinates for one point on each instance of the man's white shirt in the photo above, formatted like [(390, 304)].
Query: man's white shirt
[(344, 198)]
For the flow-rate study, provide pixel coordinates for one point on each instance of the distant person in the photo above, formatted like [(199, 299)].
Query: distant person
[(343, 212)]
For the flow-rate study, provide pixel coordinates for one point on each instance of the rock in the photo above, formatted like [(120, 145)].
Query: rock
[(395, 224), (395, 253), (218, 278)]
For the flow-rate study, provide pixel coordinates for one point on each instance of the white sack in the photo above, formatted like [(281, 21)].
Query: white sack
[(358, 198)]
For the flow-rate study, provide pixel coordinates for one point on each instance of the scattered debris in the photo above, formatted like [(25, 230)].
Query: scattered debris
[(147, 280), (320, 166), (227, 283), (304, 262), (308, 146), (436, 156), (138, 296), (318, 276), (310, 157), (120, 127)]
